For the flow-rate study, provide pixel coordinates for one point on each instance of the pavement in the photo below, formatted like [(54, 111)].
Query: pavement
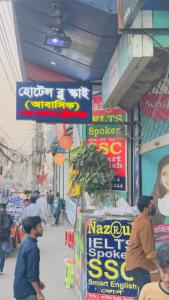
[(52, 268)]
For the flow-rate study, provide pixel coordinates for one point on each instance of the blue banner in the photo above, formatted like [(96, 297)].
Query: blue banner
[(106, 247), (54, 102)]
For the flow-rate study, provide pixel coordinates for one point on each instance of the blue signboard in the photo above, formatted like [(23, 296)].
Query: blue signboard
[(54, 102), (106, 247)]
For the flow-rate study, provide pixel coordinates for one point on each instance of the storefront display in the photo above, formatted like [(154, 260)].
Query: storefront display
[(107, 278)]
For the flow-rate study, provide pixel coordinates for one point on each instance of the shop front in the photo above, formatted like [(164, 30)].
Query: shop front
[(154, 112)]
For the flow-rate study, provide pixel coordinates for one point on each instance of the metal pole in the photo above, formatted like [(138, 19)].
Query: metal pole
[(120, 15), (63, 181)]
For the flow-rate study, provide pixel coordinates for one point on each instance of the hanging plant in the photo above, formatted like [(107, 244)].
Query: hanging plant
[(94, 174)]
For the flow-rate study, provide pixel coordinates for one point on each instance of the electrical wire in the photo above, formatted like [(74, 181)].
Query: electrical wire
[(14, 42), (6, 156), (10, 15), (6, 51), (3, 66), (8, 43)]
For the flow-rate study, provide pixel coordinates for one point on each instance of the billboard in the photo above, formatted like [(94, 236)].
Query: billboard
[(54, 102), (107, 279), (115, 150), (110, 139), (155, 174)]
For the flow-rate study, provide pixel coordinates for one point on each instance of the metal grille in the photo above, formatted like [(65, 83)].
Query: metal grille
[(151, 128)]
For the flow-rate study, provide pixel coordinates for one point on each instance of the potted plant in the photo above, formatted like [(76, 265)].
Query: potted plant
[(93, 172)]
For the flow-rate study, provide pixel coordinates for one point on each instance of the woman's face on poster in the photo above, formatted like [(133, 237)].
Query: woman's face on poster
[(165, 177)]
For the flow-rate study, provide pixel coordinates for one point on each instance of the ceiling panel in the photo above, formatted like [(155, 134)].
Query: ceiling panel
[(93, 32)]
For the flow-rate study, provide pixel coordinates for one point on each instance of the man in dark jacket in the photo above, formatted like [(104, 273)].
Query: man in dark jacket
[(27, 284), (6, 222), (60, 208)]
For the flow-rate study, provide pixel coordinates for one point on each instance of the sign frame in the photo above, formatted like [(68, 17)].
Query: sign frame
[(54, 102)]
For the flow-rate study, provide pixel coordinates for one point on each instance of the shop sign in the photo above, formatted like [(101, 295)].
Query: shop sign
[(115, 150), (161, 234), (155, 106), (110, 139), (107, 278), (104, 130), (54, 102), (100, 114)]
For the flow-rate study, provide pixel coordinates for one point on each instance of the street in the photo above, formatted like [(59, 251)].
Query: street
[(53, 252)]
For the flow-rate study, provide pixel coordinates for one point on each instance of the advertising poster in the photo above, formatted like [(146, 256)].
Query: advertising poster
[(110, 138), (155, 181), (15, 208), (115, 149), (54, 102), (107, 278), (155, 164)]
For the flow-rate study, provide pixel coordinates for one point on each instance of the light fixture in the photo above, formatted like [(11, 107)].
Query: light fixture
[(53, 63), (66, 142), (58, 38), (59, 158)]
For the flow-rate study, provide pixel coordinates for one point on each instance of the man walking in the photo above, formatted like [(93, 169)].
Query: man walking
[(159, 290), (141, 255), (27, 284), (6, 222), (42, 207), (31, 210), (59, 210), (50, 201)]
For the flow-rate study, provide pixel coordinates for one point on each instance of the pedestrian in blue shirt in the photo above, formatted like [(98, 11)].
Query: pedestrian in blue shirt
[(27, 284)]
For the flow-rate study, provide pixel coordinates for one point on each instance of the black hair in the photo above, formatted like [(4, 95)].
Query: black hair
[(163, 255), (31, 223), (37, 192), (3, 205), (143, 202), (33, 199), (57, 194)]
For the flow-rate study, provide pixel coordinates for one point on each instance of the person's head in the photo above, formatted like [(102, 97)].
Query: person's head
[(57, 194), (36, 194), (145, 204), (26, 202), (162, 182), (2, 207), (33, 226), (163, 262), (33, 199), (50, 192)]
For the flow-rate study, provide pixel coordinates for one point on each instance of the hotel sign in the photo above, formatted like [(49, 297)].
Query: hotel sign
[(54, 102)]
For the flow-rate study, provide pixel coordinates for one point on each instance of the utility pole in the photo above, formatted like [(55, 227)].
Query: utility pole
[(38, 148)]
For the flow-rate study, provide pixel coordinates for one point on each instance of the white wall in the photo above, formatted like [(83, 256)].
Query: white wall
[(17, 133)]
